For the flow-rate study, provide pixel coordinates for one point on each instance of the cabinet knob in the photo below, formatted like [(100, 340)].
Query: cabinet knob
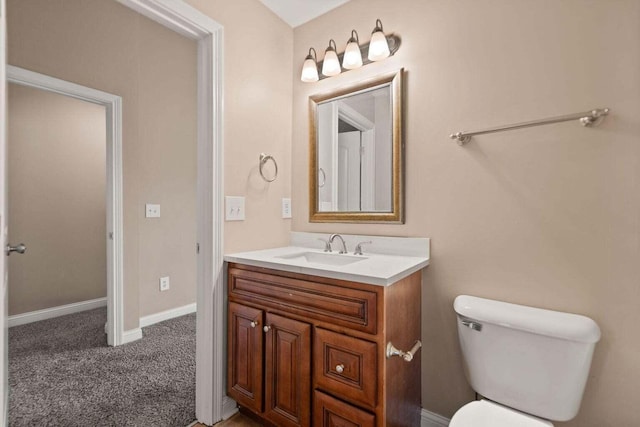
[(266, 328), (254, 323), (340, 368)]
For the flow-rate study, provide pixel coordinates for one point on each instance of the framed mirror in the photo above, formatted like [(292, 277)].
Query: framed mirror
[(355, 153)]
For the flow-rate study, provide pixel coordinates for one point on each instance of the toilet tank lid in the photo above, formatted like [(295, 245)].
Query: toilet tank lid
[(572, 327)]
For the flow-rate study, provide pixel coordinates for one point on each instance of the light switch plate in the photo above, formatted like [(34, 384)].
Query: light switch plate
[(234, 209), (152, 211), (164, 283), (286, 208)]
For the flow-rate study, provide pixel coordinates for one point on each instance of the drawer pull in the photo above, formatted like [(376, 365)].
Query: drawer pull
[(340, 368), (254, 323), (266, 328), (406, 355)]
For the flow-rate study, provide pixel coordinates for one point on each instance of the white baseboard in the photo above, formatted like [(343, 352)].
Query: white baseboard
[(229, 407), (131, 335), (136, 334), (62, 310), (166, 315), (431, 419)]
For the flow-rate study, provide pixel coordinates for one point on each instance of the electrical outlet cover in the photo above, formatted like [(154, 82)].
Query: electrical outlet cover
[(164, 283), (152, 211), (286, 208)]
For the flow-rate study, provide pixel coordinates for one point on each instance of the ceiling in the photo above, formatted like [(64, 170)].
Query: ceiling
[(297, 12)]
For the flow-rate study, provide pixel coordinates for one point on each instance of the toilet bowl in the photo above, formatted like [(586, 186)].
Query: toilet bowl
[(484, 413), (531, 365)]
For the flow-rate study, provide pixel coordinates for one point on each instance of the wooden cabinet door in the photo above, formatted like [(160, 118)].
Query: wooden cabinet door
[(330, 412), (287, 372), (244, 354)]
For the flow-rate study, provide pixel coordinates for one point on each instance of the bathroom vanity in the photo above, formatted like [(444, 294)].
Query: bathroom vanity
[(314, 350)]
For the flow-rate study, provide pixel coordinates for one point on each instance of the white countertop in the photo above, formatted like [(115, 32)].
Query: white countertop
[(381, 269)]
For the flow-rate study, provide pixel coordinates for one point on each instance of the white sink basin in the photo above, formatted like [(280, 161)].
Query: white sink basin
[(323, 258)]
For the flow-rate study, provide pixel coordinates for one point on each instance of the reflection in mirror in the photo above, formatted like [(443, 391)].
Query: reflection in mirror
[(355, 153), (355, 150)]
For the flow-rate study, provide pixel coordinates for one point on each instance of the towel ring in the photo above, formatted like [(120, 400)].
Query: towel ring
[(264, 158), (324, 177)]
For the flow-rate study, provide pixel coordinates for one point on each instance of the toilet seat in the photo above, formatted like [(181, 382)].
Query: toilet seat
[(483, 413)]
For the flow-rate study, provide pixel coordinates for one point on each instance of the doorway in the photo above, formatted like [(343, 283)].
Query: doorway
[(111, 104), (57, 204)]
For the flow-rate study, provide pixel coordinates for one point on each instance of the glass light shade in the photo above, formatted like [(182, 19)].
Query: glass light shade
[(309, 70), (352, 57), (331, 64), (378, 46)]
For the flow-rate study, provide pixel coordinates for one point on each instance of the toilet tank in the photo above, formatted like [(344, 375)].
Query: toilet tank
[(530, 359)]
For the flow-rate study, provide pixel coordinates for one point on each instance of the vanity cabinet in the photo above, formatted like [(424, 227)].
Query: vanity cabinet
[(311, 351)]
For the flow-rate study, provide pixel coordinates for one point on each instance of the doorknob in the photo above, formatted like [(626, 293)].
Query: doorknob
[(19, 248)]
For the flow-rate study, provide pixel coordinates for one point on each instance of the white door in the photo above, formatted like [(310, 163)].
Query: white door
[(4, 384), (349, 171)]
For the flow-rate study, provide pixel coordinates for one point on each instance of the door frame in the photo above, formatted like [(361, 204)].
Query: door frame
[(4, 353), (114, 237), (212, 404)]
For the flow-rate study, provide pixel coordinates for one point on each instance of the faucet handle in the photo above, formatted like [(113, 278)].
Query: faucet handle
[(358, 250), (327, 245)]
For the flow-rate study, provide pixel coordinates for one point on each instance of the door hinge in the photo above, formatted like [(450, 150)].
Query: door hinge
[(197, 248), (111, 235)]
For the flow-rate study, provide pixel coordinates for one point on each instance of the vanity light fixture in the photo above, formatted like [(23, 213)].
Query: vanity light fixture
[(352, 58), (354, 55), (310, 68), (378, 46), (331, 64)]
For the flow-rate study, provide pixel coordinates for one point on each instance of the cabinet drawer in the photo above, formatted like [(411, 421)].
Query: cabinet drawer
[(330, 412), (345, 366), (339, 305)]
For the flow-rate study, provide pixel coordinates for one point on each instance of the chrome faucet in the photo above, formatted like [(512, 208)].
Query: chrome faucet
[(344, 246)]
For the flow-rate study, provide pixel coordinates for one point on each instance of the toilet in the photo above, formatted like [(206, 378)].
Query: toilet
[(529, 364)]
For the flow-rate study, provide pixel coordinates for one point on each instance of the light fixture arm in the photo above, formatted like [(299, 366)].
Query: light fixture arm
[(378, 26), (354, 38), (314, 56), (334, 47)]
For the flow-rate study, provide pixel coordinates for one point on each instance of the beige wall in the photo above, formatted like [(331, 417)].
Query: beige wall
[(56, 164), (257, 108), (106, 46), (546, 216)]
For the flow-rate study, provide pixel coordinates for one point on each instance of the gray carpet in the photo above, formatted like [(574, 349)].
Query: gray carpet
[(62, 373)]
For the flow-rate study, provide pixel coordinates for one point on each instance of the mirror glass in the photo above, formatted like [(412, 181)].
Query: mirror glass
[(355, 153)]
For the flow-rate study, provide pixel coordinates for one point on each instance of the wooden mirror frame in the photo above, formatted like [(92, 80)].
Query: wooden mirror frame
[(396, 215)]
